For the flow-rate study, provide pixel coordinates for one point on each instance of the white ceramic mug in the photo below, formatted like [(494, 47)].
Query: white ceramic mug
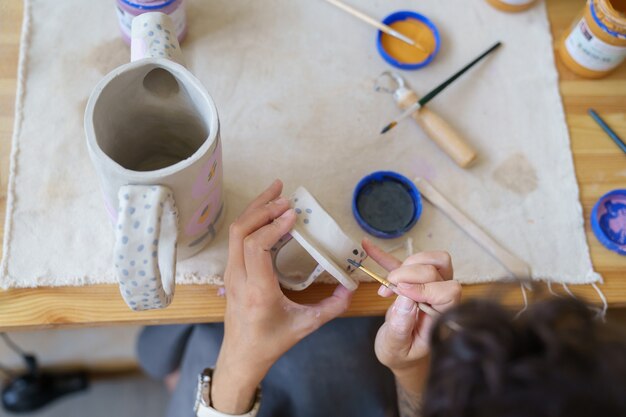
[(153, 137), (319, 235)]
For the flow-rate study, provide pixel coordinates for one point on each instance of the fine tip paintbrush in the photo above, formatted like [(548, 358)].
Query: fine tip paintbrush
[(421, 102), (618, 141), (422, 306)]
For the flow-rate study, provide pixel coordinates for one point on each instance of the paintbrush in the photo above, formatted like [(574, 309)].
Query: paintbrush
[(422, 306), (378, 25), (619, 142), (432, 94)]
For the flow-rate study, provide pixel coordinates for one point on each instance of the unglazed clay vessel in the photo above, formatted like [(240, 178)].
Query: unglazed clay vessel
[(319, 235), (153, 137)]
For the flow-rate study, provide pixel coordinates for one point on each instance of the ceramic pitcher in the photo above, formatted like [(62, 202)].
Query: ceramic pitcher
[(153, 137)]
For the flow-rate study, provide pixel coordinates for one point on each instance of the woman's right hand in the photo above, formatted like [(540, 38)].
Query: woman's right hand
[(402, 343)]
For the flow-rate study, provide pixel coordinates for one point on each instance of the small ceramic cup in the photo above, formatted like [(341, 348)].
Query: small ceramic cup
[(153, 137), (319, 235)]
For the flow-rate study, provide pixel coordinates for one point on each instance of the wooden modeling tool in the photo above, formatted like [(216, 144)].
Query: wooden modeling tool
[(436, 128), (518, 268), (383, 281), (432, 94), (378, 25), (619, 142)]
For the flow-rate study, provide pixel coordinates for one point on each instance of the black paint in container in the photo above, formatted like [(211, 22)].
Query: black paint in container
[(386, 204)]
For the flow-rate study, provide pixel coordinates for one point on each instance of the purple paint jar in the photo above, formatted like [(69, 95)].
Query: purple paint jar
[(128, 9)]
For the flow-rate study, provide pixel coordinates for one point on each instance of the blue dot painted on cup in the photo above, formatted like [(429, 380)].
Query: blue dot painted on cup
[(136, 224), (125, 272), (131, 210), (134, 283), (159, 27), (298, 211), (306, 221), (145, 261), (125, 239), (309, 210), (126, 196), (143, 274), (151, 33), (153, 279), (150, 229), (132, 263), (154, 254), (147, 206), (140, 248), (155, 242), (121, 256)]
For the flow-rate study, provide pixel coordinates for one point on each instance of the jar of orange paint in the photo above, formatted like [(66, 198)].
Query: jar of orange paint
[(596, 43), (512, 5)]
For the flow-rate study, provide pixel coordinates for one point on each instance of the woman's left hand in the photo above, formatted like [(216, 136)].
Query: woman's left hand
[(261, 323)]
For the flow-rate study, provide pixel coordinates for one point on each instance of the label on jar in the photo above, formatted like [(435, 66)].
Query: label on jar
[(592, 52), (517, 2), (126, 20)]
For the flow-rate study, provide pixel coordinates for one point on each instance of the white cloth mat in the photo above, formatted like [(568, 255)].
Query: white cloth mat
[(293, 83)]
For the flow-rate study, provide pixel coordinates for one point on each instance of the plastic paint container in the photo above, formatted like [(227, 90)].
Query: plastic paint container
[(386, 204), (596, 43), (390, 47), (128, 9), (512, 5), (608, 221)]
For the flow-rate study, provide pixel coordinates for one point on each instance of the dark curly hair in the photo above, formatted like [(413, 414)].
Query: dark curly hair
[(555, 360)]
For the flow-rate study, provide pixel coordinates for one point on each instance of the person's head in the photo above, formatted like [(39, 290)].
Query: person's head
[(554, 360)]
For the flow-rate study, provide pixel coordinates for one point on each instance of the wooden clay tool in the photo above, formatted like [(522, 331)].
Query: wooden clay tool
[(433, 93), (422, 306), (518, 268), (378, 25), (437, 129)]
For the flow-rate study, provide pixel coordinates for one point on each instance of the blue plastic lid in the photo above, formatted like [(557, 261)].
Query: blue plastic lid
[(386, 204), (608, 220), (403, 15)]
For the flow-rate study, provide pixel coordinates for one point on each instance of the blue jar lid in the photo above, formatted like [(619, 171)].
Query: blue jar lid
[(608, 220), (386, 204), (403, 15)]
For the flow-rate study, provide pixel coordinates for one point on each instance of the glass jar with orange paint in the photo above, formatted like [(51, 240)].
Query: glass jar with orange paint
[(512, 5), (596, 43)]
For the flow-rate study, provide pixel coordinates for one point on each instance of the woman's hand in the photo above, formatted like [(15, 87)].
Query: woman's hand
[(402, 341), (261, 323)]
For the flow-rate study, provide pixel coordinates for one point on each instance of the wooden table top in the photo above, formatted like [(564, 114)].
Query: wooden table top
[(600, 167)]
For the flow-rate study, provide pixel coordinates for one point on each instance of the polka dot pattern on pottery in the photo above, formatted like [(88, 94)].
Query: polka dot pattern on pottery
[(139, 232), (150, 38)]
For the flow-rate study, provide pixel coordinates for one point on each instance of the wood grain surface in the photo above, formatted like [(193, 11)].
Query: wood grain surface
[(600, 167)]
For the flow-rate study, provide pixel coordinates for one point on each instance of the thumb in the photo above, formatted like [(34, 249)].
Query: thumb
[(399, 325)]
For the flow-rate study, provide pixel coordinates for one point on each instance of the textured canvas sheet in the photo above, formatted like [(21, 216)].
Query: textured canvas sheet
[(293, 83)]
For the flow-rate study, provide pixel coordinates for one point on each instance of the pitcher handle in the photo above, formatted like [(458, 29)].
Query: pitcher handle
[(153, 36), (145, 245)]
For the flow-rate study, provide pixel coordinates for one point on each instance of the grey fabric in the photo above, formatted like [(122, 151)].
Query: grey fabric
[(160, 348), (333, 372)]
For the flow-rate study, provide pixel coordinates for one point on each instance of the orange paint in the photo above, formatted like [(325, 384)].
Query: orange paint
[(402, 51), (588, 49)]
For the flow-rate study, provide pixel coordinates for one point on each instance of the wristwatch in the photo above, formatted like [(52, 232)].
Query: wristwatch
[(203, 407)]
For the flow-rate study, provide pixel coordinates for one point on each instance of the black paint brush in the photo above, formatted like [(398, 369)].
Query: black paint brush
[(421, 102)]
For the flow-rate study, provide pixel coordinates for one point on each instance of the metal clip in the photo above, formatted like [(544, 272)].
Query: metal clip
[(389, 82)]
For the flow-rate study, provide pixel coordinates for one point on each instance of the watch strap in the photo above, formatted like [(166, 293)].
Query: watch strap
[(203, 406)]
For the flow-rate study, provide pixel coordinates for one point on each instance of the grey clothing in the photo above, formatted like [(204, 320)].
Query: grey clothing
[(332, 372)]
